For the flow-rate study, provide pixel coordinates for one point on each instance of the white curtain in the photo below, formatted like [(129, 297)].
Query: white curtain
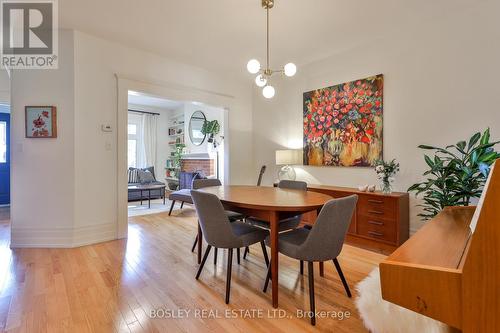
[(148, 150)]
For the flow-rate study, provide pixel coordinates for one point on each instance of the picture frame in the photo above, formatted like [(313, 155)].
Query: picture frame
[(41, 122)]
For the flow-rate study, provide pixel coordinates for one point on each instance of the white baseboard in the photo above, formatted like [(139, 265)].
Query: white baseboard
[(65, 237)]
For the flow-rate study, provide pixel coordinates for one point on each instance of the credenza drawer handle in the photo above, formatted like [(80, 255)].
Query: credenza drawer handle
[(376, 234), (376, 222), (375, 201), (375, 212)]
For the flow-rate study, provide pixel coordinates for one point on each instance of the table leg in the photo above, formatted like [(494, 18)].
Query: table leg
[(141, 197), (200, 239), (274, 256), (149, 199), (164, 193)]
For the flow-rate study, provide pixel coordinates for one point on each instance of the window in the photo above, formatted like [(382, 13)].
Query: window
[(134, 139), (3, 142)]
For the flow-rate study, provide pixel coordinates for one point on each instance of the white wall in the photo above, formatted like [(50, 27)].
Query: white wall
[(43, 170), (96, 63), (441, 81)]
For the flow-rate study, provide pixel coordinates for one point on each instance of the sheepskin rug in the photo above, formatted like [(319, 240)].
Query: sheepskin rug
[(380, 316)]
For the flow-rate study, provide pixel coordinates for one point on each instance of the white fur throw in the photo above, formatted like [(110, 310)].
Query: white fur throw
[(380, 316)]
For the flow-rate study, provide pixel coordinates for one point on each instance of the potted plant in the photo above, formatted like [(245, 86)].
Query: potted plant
[(211, 128), (457, 173), (177, 157)]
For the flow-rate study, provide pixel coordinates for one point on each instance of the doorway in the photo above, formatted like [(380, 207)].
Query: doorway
[(4, 157), (165, 139)]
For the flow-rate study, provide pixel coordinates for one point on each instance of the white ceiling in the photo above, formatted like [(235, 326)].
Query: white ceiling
[(225, 34), (136, 98)]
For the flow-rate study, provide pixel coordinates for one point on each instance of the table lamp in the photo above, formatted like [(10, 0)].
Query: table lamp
[(287, 158)]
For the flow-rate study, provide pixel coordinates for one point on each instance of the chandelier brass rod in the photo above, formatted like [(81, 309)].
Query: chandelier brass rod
[(267, 12)]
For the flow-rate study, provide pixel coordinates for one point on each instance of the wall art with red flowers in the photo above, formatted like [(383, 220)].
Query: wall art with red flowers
[(41, 122), (343, 124)]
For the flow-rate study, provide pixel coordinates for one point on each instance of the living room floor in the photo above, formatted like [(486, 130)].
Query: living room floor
[(113, 286)]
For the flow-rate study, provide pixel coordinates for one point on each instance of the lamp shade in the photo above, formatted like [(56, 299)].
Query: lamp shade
[(289, 157)]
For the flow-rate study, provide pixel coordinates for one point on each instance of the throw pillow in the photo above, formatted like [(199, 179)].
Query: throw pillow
[(133, 175), (146, 177)]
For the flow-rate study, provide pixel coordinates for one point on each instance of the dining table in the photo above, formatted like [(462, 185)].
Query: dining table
[(270, 204)]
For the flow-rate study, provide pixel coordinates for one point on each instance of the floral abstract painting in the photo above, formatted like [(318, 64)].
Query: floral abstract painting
[(41, 122), (343, 124)]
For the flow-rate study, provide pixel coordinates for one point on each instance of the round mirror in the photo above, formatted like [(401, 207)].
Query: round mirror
[(195, 125)]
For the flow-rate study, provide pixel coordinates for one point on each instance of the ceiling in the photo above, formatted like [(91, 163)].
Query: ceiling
[(137, 98), (223, 35)]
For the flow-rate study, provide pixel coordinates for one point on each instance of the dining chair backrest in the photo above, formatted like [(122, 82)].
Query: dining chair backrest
[(293, 185), (214, 222), (201, 183), (261, 173), (326, 238)]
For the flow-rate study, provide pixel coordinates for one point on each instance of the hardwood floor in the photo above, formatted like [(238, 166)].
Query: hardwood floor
[(113, 286)]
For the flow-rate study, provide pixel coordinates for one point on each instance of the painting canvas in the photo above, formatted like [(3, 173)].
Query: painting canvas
[(343, 124), (41, 122)]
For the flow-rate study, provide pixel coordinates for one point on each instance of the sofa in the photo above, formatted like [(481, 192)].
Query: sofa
[(134, 180)]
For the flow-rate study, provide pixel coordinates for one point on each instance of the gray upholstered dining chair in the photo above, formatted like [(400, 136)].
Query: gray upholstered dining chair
[(220, 233), (233, 216), (322, 242)]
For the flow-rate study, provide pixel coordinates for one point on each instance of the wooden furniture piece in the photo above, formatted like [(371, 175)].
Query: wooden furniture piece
[(450, 269), (269, 204), (148, 189), (380, 222)]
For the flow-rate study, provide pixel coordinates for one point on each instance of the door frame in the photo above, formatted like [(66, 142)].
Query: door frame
[(7, 117), (169, 91)]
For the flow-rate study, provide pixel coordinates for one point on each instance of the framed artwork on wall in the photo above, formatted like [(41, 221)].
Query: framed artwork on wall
[(41, 122), (343, 124)]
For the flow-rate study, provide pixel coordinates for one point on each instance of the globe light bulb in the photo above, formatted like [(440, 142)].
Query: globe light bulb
[(268, 91), (290, 69), (253, 66), (260, 80)]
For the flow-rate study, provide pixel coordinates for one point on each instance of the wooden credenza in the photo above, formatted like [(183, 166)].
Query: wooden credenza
[(381, 221)]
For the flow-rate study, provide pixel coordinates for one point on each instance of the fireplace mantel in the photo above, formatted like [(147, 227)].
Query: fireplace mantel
[(197, 156)]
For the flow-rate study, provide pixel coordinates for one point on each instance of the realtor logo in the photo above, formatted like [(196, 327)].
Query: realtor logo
[(29, 34)]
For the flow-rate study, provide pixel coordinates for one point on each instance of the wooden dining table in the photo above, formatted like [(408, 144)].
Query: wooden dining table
[(268, 204)]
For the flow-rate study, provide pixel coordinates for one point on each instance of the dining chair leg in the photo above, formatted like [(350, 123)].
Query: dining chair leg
[(200, 242), (171, 207), (268, 277), (342, 278), (215, 256), (238, 255), (228, 279), (321, 269), (194, 244), (302, 267), (264, 252), (207, 251), (310, 272), (247, 251), (182, 204)]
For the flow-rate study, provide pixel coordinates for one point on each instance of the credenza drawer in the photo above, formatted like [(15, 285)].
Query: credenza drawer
[(377, 228), (377, 206)]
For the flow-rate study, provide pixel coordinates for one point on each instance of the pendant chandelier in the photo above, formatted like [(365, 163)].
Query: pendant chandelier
[(264, 74)]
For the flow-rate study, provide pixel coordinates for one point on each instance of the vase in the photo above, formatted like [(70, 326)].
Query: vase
[(386, 187)]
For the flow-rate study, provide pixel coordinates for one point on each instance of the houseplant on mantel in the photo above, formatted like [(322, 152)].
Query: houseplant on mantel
[(457, 173)]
